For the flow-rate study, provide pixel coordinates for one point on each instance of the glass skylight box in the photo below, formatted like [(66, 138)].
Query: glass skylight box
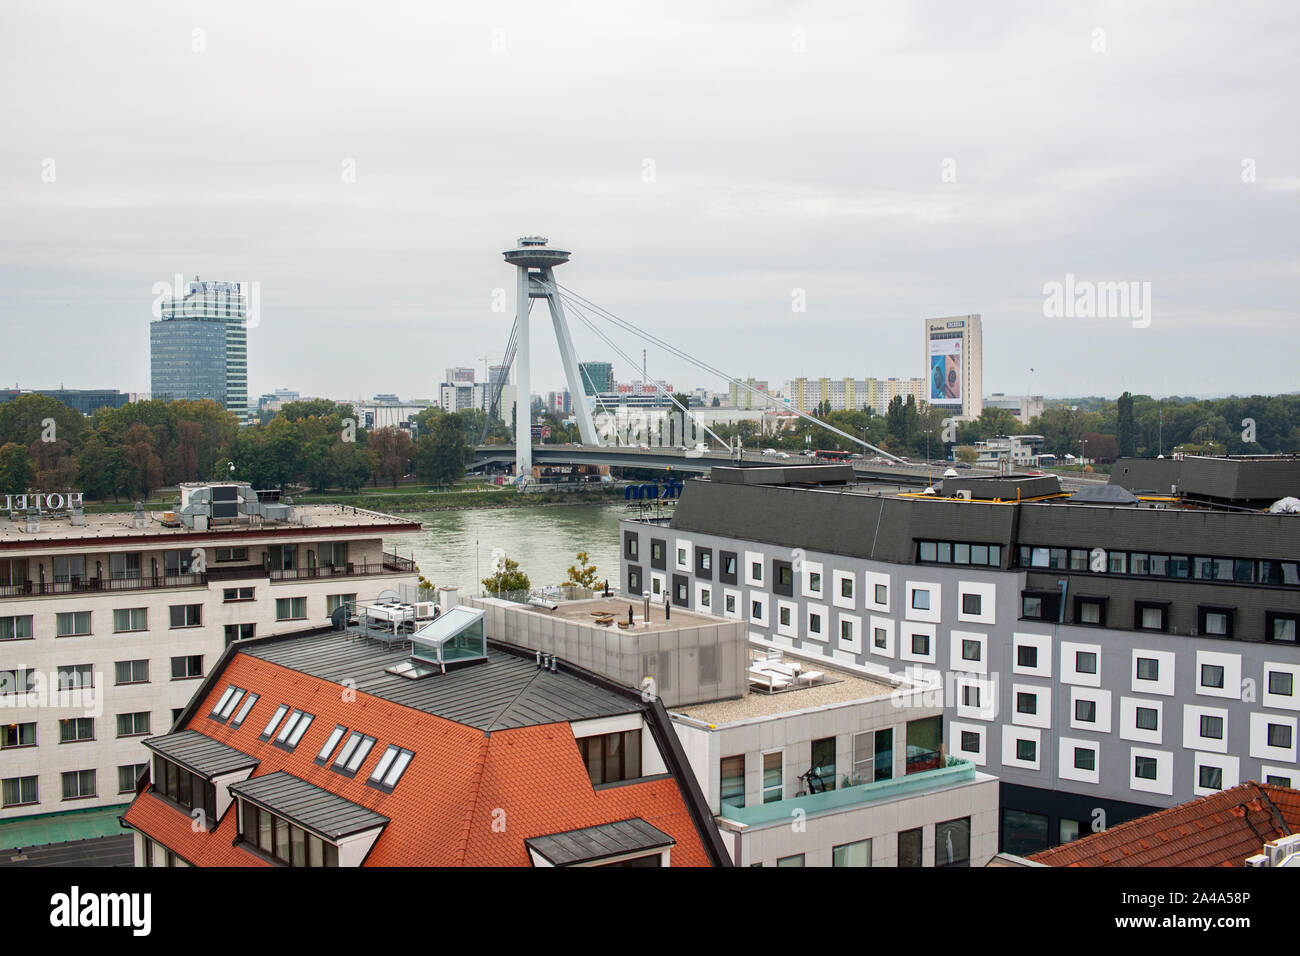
[(455, 637)]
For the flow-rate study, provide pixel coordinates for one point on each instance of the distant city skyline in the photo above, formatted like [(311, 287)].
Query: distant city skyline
[(800, 191)]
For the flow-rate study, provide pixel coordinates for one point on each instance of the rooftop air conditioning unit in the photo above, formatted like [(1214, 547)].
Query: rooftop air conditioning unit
[(1279, 850), (1259, 859), (964, 494)]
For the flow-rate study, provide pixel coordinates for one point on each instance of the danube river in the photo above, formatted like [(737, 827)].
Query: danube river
[(456, 547)]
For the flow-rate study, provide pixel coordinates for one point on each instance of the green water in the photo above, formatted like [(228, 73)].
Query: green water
[(455, 547)]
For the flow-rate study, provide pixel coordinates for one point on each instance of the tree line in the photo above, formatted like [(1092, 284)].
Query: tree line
[(130, 452)]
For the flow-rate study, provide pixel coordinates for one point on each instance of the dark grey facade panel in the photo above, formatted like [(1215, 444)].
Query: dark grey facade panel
[(1227, 479), (308, 805), (592, 844), (202, 754)]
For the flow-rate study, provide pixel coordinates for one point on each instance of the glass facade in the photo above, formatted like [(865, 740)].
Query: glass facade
[(199, 349)]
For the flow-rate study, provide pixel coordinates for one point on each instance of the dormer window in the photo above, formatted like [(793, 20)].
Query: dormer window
[(390, 768)]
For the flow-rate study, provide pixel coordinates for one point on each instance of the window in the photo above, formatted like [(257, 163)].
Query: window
[(274, 722), (1210, 778), (732, 776), (1085, 662), (1090, 611), (1211, 727), (186, 615), (1281, 683), (244, 708), (681, 557), (227, 703), (846, 590), (705, 560), (1027, 655), (773, 777), (970, 741), (1026, 750), (880, 638), (19, 791), (335, 601), (293, 729), (1212, 675), (921, 644), (1144, 768), (16, 628), (706, 598), (128, 774), (1147, 718), (1040, 605), (17, 735), (284, 841), (972, 603), (611, 757), (1026, 703), (952, 843), (729, 603), (814, 582), (815, 624), (783, 615), (1277, 627), (823, 762), (1023, 832), (1149, 617), (909, 847), (133, 725), (846, 631), (970, 695), (1148, 668), (633, 546), (728, 571), (882, 593), (921, 600), (1215, 621), (232, 554), (239, 632), (796, 860), (680, 588), (17, 681), (184, 668), (131, 672), (290, 609), (634, 585), (390, 768), (78, 784), (1279, 735), (72, 623), (1085, 758), (231, 595), (331, 742), (352, 753), (1085, 711), (852, 854), (130, 619), (656, 552), (76, 676), (76, 729), (970, 650)]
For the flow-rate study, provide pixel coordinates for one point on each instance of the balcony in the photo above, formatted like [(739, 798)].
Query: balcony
[(101, 585), (851, 798), (390, 564)]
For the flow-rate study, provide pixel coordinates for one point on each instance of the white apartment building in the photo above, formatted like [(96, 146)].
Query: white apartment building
[(850, 394), (108, 622)]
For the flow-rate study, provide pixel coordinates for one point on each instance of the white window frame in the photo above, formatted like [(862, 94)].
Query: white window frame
[(1043, 642), (1042, 716), (854, 644), (761, 598), (905, 652), (1011, 734), (825, 636), (1192, 739), (869, 581), (888, 624), (988, 695), (1259, 737), (988, 602), (1069, 662), (837, 578), (1099, 697), (1281, 701), (752, 558), (683, 544), (1231, 664), (978, 757), (701, 589), (739, 595), (930, 615), (1164, 781), (791, 629), (806, 570), (1229, 765), (957, 662), (1164, 682), (1065, 768), (1128, 728)]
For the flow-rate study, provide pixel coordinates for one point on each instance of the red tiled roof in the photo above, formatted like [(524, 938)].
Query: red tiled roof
[(467, 798), (1222, 829)]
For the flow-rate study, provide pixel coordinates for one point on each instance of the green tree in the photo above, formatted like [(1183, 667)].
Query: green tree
[(16, 472), (583, 573), (442, 455), (1124, 426), (506, 576), (390, 454), (350, 465)]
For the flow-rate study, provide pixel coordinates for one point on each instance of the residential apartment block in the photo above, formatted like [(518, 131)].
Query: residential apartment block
[(108, 622), (1103, 655), (849, 394)]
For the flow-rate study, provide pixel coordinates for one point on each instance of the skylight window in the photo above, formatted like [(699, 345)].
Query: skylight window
[(244, 708), (274, 722), (333, 741), (353, 752), (293, 729), (390, 767), (229, 701)]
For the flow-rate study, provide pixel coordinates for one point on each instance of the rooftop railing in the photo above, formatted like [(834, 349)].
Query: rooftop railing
[(102, 585)]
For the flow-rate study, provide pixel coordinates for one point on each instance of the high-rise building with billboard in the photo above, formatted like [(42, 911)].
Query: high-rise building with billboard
[(954, 362), (199, 346)]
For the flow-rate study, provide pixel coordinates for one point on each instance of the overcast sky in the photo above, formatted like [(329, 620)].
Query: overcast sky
[(702, 161)]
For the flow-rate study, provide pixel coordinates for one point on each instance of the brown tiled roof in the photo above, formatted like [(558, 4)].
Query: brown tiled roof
[(1222, 829), (466, 799)]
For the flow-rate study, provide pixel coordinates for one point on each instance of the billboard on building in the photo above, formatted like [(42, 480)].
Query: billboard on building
[(945, 368)]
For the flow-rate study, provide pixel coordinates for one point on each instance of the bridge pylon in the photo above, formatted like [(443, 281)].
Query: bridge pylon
[(534, 263)]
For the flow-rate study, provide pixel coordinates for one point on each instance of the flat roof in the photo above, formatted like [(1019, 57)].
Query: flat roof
[(841, 688), (116, 526), (585, 612), (505, 691)]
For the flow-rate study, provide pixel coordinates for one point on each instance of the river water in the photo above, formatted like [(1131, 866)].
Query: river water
[(455, 547)]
